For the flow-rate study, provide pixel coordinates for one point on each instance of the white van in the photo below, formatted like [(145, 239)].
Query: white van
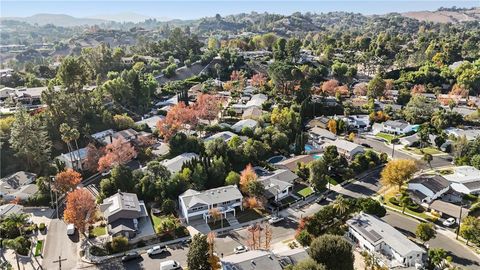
[(169, 265), (70, 229)]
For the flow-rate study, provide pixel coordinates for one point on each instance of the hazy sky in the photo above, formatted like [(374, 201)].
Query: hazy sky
[(200, 8)]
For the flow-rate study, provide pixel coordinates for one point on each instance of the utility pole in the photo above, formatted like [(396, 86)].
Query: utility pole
[(459, 220), (56, 199), (60, 260)]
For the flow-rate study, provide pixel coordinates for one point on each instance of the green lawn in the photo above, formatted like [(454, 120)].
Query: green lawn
[(99, 231), (215, 225), (250, 214), (306, 192), (426, 150), (38, 248), (156, 221), (421, 215), (386, 136)]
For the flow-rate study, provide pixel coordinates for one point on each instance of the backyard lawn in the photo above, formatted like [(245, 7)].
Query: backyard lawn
[(306, 192), (98, 231)]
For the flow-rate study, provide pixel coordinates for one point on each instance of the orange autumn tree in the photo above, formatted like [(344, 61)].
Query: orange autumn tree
[(248, 175), (207, 107), (178, 117), (67, 180), (80, 209), (258, 80), (118, 152), (332, 126), (329, 87), (418, 89)]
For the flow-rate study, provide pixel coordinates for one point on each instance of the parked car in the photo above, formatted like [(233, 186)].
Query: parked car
[(70, 229), (169, 265), (366, 145), (449, 222), (130, 256), (240, 249), (156, 250), (275, 219), (320, 198)]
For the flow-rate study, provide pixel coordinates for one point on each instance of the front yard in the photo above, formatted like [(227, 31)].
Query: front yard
[(250, 214), (99, 231), (425, 150), (215, 225), (386, 136)]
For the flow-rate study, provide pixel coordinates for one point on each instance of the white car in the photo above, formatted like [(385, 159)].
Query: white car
[(70, 229), (275, 219), (156, 250), (240, 249), (449, 222), (169, 265)]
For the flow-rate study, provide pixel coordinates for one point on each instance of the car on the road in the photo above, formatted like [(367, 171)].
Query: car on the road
[(366, 145), (320, 199), (169, 265), (156, 250), (131, 256), (70, 229), (275, 219), (449, 222), (240, 249)]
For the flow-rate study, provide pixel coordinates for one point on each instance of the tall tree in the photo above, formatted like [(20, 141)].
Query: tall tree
[(67, 180), (327, 249), (80, 209), (30, 140), (197, 256), (247, 175), (118, 152), (397, 172), (376, 87), (425, 231)]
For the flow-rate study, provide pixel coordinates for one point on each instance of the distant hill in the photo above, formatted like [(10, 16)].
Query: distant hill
[(56, 19), (446, 15), (126, 17)]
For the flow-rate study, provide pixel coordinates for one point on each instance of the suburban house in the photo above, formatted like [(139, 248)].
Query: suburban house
[(75, 159), (249, 123), (262, 259), (9, 209), (196, 204), (397, 127), (426, 188), (387, 244), (252, 113), (320, 121), (175, 164), (108, 136), (465, 180), (226, 136), (151, 122), (448, 209), (292, 163), (278, 184), (123, 213), (19, 185), (469, 133), (319, 136), (346, 148), (358, 121), (255, 101)]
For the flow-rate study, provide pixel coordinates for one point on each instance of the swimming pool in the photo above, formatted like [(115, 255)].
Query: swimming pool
[(317, 156), (308, 147), (276, 159)]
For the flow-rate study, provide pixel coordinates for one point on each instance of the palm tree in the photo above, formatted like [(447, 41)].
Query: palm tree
[(340, 205), (428, 158), (18, 220), (67, 137), (15, 245), (404, 201)]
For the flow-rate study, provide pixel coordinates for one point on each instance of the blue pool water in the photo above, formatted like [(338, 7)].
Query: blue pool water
[(317, 156), (275, 159), (308, 147)]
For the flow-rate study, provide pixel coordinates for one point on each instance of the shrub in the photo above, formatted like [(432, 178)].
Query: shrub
[(141, 243), (98, 251), (42, 227), (394, 201), (373, 207), (168, 207), (304, 238), (119, 244)]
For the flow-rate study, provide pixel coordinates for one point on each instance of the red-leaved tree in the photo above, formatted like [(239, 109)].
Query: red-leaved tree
[(80, 209), (207, 107), (118, 152), (67, 180), (178, 117), (93, 156), (329, 86), (258, 80)]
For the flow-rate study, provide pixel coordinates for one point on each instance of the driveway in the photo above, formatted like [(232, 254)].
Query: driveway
[(461, 255), (58, 243)]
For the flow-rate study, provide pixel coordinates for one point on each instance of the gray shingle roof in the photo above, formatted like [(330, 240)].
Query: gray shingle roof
[(396, 124), (435, 183), (377, 231), (212, 196)]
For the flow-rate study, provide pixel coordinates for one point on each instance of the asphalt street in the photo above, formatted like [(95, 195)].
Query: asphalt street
[(461, 255), (380, 146), (58, 243)]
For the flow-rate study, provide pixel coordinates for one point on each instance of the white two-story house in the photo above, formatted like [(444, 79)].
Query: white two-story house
[(388, 245), (197, 204), (397, 127)]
